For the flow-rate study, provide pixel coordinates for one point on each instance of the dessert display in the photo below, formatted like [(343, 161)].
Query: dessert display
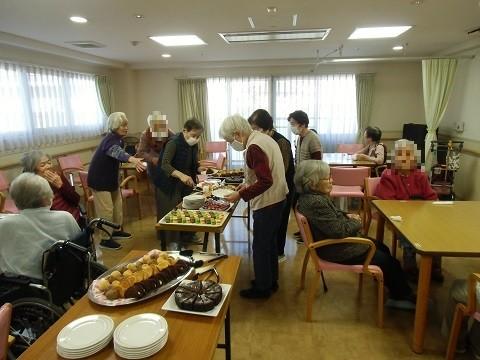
[(193, 202), (229, 173), (194, 217), (198, 295), (234, 180), (217, 205), (140, 278)]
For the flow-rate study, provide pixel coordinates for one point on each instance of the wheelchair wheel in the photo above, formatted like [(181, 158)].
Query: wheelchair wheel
[(31, 317)]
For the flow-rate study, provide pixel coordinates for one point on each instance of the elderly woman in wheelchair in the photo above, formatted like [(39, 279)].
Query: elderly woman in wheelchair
[(41, 269)]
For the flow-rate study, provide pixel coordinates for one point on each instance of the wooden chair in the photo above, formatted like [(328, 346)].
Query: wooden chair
[(349, 148), (87, 194), (212, 148), (129, 191), (8, 203), (5, 339), (369, 212), (70, 165), (322, 265), (470, 309)]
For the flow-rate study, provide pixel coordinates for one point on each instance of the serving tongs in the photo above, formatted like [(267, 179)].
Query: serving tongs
[(199, 263)]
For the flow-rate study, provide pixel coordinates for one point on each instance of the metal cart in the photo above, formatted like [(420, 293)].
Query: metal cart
[(446, 161)]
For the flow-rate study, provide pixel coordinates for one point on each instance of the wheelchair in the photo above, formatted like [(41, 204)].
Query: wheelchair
[(68, 268)]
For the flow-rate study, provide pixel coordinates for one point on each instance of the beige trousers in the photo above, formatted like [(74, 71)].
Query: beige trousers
[(108, 205)]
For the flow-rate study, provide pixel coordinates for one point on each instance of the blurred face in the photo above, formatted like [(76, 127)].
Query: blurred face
[(367, 140), (405, 159), (44, 164), (123, 129), (159, 128)]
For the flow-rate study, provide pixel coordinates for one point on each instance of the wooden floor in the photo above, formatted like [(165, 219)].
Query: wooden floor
[(276, 328)]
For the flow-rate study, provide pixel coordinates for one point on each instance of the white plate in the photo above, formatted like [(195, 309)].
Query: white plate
[(134, 354), (221, 193), (86, 332), (83, 351), (141, 331), (171, 305), (146, 348)]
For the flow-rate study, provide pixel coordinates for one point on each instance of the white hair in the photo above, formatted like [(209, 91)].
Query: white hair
[(309, 173), (233, 124), (409, 145), (115, 120), (31, 159), (30, 191), (149, 117)]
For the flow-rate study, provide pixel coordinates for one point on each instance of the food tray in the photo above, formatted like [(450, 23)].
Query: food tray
[(98, 297), (224, 213)]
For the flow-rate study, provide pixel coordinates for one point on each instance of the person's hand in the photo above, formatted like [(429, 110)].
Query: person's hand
[(201, 169), (139, 166), (187, 180), (53, 178), (240, 187), (155, 161), (354, 217), (234, 196)]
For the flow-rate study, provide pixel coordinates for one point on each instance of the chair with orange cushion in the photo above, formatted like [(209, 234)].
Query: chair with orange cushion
[(8, 203), (212, 148), (5, 338), (349, 148), (469, 309), (370, 213), (322, 265)]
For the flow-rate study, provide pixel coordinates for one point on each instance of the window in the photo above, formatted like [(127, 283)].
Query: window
[(42, 106), (329, 101), (228, 96)]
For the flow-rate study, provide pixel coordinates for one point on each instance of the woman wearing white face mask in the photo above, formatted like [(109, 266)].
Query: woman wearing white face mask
[(265, 187), (308, 145), (177, 168)]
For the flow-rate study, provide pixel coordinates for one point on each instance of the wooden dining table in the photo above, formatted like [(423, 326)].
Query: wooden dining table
[(343, 159), (434, 228), (189, 336)]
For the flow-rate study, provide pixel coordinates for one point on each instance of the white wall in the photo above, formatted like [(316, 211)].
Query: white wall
[(464, 106), (398, 89)]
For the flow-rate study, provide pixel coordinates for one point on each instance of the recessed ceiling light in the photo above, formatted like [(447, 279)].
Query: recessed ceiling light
[(294, 19), (139, 16), (250, 21), (398, 48), (78, 19), (271, 9), (416, 2), (378, 32), (166, 55), (178, 40)]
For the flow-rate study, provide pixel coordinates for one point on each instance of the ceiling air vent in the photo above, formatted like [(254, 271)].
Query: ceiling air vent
[(86, 44), (273, 36)]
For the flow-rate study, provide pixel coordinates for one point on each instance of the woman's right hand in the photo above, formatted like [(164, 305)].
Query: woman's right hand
[(187, 180), (138, 163)]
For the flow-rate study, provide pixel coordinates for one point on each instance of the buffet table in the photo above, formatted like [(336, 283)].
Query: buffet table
[(190, 336), (206, 229)]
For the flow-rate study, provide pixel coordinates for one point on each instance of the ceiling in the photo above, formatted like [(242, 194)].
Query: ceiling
[(438, 24)]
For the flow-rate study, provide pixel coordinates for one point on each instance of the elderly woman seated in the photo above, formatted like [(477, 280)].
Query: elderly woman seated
[(405, 182), (64, 195), (36, 228), (313, 183)]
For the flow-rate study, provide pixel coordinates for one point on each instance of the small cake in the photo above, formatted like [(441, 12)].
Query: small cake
[(198, 295)]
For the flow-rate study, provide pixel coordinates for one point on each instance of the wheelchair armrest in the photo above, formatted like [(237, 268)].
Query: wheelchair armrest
[(19, 279)]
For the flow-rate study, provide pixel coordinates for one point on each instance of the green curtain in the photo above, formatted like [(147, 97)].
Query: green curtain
[(438, 77), (105, 93), (193, 102), (365, 89)]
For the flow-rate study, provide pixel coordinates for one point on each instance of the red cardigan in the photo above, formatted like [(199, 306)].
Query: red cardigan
[(66, 198), (394, 186)]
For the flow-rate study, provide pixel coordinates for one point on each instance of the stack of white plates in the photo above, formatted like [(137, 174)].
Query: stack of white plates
[(193, 202), (85, 336), (140, 336)]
